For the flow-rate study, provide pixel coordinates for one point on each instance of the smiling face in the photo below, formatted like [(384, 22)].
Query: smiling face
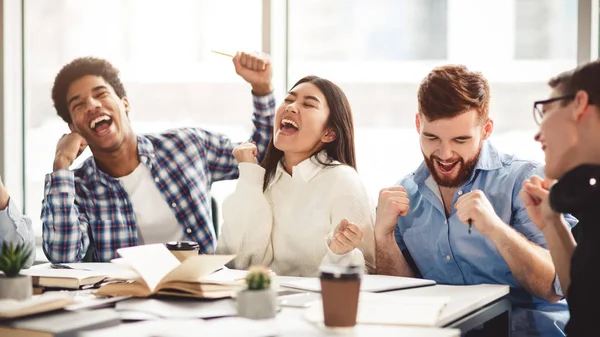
[(300, 122), (559, 135), (451, 146), (98, 114)]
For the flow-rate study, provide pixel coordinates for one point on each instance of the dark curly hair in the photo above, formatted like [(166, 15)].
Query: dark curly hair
[(77, 69)]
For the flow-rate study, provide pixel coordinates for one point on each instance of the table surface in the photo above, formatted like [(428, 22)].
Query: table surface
[(464, 300)]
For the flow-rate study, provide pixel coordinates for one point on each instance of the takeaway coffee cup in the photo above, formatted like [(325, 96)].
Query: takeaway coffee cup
[(339, 289), (183, 249)]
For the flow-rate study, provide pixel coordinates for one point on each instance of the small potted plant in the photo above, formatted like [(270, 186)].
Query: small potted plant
[(258, 300), (12, 284)]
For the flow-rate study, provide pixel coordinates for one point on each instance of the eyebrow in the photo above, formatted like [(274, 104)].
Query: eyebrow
[(76, 97), (305, 97), (431, 135)]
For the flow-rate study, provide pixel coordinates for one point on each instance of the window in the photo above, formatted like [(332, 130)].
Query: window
[(378, 51), (162, 49)]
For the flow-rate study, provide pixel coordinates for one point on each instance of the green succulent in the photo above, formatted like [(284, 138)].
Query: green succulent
[(258, 278), (13, 258)]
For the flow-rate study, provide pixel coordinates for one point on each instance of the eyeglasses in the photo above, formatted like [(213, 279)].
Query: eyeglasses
[(538, 113)]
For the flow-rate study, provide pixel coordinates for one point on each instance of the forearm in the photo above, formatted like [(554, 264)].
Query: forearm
[(390, 260), (17, 229), (263, 119), (561, 244), (248, 220), (4, 197), (64, 235), (530, 264)]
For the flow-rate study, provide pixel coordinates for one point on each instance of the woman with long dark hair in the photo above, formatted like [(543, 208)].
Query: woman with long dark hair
[(304, 204)]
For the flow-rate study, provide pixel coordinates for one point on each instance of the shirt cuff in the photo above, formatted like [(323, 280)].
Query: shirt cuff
[(557, 288), (264, 106), (352, 258), (60, 181), (252, 176)]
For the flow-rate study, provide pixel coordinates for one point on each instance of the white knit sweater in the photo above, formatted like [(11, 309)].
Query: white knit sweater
[(286, 228)]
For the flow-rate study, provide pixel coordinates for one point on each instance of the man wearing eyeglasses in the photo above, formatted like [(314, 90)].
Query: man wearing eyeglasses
[(570, 137), (15, 228), (458, 219)]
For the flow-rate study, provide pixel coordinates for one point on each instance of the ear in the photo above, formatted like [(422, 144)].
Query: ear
[(72, 127), (581, 103), (488, 127), (418, 122), (126, 104), (329, 136)]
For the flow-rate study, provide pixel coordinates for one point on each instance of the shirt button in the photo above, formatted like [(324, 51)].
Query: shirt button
[(460, 192), (188, 230), (152, 155), (48, 184), (446, 222), (173, 205), (156, 179), (144, 159), (447, 257)]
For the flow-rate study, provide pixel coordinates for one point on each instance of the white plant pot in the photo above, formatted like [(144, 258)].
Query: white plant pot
[(257, 304), (16, 288)]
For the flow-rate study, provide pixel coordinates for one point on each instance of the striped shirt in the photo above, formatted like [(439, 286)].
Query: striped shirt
[(183, 162)]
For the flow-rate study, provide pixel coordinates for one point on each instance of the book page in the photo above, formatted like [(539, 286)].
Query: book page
[(151, 262), (194, 268)]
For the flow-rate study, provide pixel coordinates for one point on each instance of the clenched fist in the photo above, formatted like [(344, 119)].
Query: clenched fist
[(246, 153), (346, 237), (255, 68), (393, 202), (69, 147)]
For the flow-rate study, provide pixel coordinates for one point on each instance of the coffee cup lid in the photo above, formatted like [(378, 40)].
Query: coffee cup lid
[(341, 273), (182, 245)]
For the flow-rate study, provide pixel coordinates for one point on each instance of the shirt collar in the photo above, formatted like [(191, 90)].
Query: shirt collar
[(145, 154), (489, 160), (307, 169)]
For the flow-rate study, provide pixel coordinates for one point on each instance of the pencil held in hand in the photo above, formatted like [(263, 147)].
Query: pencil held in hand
[(221, 53)]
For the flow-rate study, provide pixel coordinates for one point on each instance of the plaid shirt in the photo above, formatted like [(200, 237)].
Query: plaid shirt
[(184, 163)]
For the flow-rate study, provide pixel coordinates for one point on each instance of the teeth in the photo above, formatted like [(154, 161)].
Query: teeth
[(98, 120), (289, 122)]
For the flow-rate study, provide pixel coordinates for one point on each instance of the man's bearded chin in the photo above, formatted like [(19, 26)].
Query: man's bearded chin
[(464, 170)]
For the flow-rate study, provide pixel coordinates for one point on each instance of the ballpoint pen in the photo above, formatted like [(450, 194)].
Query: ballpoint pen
[(470, 226)]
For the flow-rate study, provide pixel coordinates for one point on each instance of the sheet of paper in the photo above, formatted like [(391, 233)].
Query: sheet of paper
[(195, 268), (225, 327), (151, 262), (180, 308), (388, 309), (369, 283)]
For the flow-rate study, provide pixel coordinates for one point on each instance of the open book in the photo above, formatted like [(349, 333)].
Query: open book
[(369, 283), (160, 272)]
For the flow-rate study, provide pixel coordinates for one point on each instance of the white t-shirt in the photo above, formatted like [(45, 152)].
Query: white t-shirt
[(156, 222)]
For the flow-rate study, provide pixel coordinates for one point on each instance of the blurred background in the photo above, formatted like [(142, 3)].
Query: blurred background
[(378, 51)]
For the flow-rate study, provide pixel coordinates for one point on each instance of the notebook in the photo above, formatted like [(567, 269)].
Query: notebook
[(369, 283), (60, 324), (63, 278), (160, 272)]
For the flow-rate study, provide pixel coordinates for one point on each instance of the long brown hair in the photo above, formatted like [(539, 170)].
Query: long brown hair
[(341, 149)]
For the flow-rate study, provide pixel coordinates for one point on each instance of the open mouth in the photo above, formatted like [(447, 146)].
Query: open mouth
[(101, 125), (288, 127), (445, 167)]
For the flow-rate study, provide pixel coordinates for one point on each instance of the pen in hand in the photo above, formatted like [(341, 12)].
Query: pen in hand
[(470, 226)]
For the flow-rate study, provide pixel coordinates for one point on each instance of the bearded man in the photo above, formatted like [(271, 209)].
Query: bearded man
[(458, 219)]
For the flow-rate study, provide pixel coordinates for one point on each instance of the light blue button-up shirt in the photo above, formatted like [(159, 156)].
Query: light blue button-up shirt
[(444, 251), (17, 229)]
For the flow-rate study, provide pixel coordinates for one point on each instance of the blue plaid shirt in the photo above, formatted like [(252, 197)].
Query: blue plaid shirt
[(183, 162)]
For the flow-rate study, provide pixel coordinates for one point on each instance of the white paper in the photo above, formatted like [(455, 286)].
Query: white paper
[(369, 283), (151, 262), (387, 309)]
